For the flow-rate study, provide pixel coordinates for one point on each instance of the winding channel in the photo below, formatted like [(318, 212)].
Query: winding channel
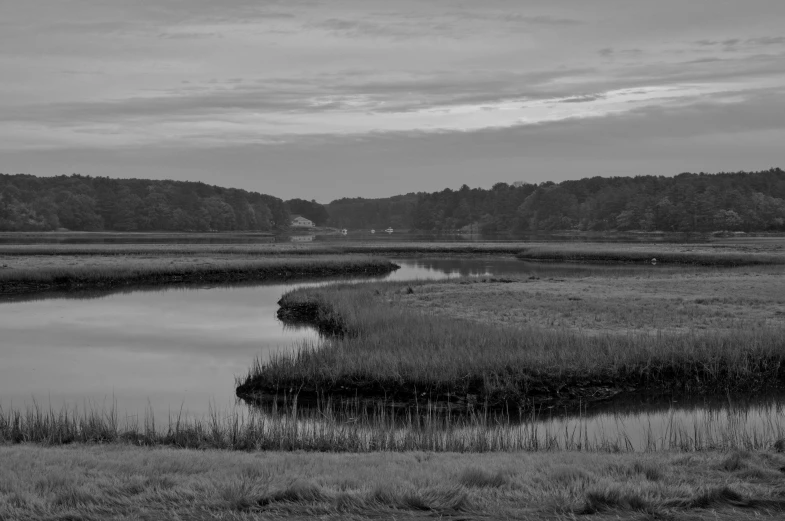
[(170, 350)]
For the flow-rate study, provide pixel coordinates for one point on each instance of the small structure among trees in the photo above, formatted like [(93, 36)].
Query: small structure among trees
[(298, 221)]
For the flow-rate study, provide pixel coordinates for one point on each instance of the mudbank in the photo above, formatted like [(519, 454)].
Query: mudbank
[(121, 277)]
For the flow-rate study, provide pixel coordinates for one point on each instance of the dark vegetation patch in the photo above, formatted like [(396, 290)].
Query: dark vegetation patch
[(265, 270), (380, 350), (652, 256)]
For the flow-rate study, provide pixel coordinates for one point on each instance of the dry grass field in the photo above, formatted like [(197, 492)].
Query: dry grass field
[(559, 337), (751, 251), (117, 482), (651, 301)]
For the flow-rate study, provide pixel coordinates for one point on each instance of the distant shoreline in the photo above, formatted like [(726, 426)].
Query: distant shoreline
[(127, 271)]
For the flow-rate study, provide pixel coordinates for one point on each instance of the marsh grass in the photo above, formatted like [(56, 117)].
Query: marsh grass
[(353, 426), (726, 253), (665, 254), (125, 270), (615, 299), (387, 349), (124, 483), (263, 249)]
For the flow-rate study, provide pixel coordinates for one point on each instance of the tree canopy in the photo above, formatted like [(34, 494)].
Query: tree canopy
[(685, 203), (739, 201), (84, 203), (309, 209)]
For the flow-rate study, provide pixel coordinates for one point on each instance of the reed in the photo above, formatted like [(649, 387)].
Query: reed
[(352, 426), (384, 348)]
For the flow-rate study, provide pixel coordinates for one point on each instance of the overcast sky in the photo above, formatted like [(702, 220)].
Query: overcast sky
[(326, 99)]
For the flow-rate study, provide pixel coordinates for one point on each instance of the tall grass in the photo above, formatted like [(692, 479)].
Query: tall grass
[(127, 271), (357, 428), (384, 349)]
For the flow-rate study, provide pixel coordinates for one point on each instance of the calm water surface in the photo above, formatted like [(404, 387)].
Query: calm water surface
[(159, 349), (167, 350)]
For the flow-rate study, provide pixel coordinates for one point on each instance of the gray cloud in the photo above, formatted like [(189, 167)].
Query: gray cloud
[(658, 141), (394, 29), (189, 36), (216, 99), (732, 43), (583, 99)]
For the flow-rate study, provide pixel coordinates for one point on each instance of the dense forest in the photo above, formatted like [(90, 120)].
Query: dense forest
[(76, 202), (684, 203), (738, 201), (357, 212), (310, 210)]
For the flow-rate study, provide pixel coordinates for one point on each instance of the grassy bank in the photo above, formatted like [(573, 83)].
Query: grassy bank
[(351, 426), (590, 300), (22, 275), (380, 248), (123, 483), (727, 253), (394, 340), (660, 254)]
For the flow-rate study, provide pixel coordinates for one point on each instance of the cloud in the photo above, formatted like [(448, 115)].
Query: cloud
[(731, 44), (609, 51), (717, 134), (767, 40), (517, 18), (583, 99), (188, 36), (396, 29)]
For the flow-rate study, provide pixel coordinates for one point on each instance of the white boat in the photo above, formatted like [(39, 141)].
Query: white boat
[(389, 230), (373, 231)]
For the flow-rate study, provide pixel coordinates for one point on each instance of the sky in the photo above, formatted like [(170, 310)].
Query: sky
[(366, 98)]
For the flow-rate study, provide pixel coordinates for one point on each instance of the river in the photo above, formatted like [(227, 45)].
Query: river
[(179, 351)]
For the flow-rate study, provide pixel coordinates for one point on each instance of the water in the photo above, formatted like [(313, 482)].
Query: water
[(162, 349), (181, 349)]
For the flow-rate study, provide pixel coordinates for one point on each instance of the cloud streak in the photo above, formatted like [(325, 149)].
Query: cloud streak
[(290, 75)]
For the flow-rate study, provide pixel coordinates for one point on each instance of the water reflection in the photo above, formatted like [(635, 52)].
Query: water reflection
[(163, 350), (146, 347), (756, 424)]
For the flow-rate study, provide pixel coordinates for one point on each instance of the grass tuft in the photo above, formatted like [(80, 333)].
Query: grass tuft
[(474, 477)]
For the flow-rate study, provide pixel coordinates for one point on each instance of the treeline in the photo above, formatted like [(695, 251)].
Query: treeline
[(84, 203), (310, 210), (684, 203), (362, 213), (738, 201)]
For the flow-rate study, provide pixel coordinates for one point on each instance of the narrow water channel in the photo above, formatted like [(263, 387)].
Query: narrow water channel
[(159, 349), (163, 351)]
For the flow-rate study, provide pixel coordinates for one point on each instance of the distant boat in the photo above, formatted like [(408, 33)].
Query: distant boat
[(373, 231), (344, 231), (389, 230)]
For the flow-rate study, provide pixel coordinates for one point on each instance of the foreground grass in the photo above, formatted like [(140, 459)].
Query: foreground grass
[(120, 482), (22, 274), (386, 347)]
